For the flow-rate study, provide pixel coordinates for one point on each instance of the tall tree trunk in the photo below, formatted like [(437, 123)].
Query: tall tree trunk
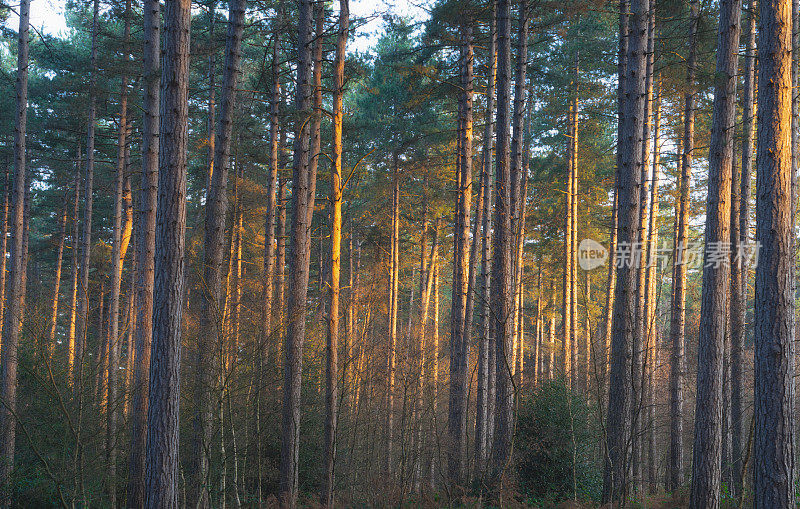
[(425, 300), (216, 211), (629, 173), (434, 351), (7, 192), (74, 244), (538, 335), (303, 184), (706, 460), (569, 341), (773, 449), (518, 172), (740, 229), (88, 188), (161, 480), (117, 258), (622, 66), (393, 303), (280, 256), (145, 249), (271, 213), (640, 337), (551, 335), (62, 234), (459, 341), (332, 367), (501, 278), (11, 329), (519, 267), (678, 308), (212, 91), (651, 295), (484, 323)]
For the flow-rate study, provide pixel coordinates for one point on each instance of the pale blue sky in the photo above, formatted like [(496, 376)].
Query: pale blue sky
[(48, 16)]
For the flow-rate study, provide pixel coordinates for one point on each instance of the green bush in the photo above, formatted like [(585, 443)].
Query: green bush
[(556, 445)]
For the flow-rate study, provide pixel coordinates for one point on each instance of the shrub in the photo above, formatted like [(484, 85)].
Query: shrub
[(556, 444)]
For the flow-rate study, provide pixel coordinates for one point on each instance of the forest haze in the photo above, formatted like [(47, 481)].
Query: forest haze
[(515, 253)]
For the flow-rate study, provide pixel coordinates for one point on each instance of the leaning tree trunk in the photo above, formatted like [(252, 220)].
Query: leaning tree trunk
[(773, 445), (16, 290), (677, 332), (706, 460), (145, 249), (629, 173), (216, 211), (161, 480)]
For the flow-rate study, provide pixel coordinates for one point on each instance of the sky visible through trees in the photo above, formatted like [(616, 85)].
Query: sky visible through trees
[(458, 253)]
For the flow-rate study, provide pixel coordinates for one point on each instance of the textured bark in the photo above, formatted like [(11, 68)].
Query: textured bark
[(459, 336), (482, 403), (212, 301), (299, 258), (145, 249), (706, 460), (161, 480), (773, 446), (740, 227), (629, 173), (16, 289), (331, 366), (678, 306), (502, 257), (622, 65)]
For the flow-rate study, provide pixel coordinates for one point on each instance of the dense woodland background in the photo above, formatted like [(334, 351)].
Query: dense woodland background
[(352, 278)]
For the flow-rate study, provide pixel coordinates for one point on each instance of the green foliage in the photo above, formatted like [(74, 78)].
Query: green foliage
[(556, 444)]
